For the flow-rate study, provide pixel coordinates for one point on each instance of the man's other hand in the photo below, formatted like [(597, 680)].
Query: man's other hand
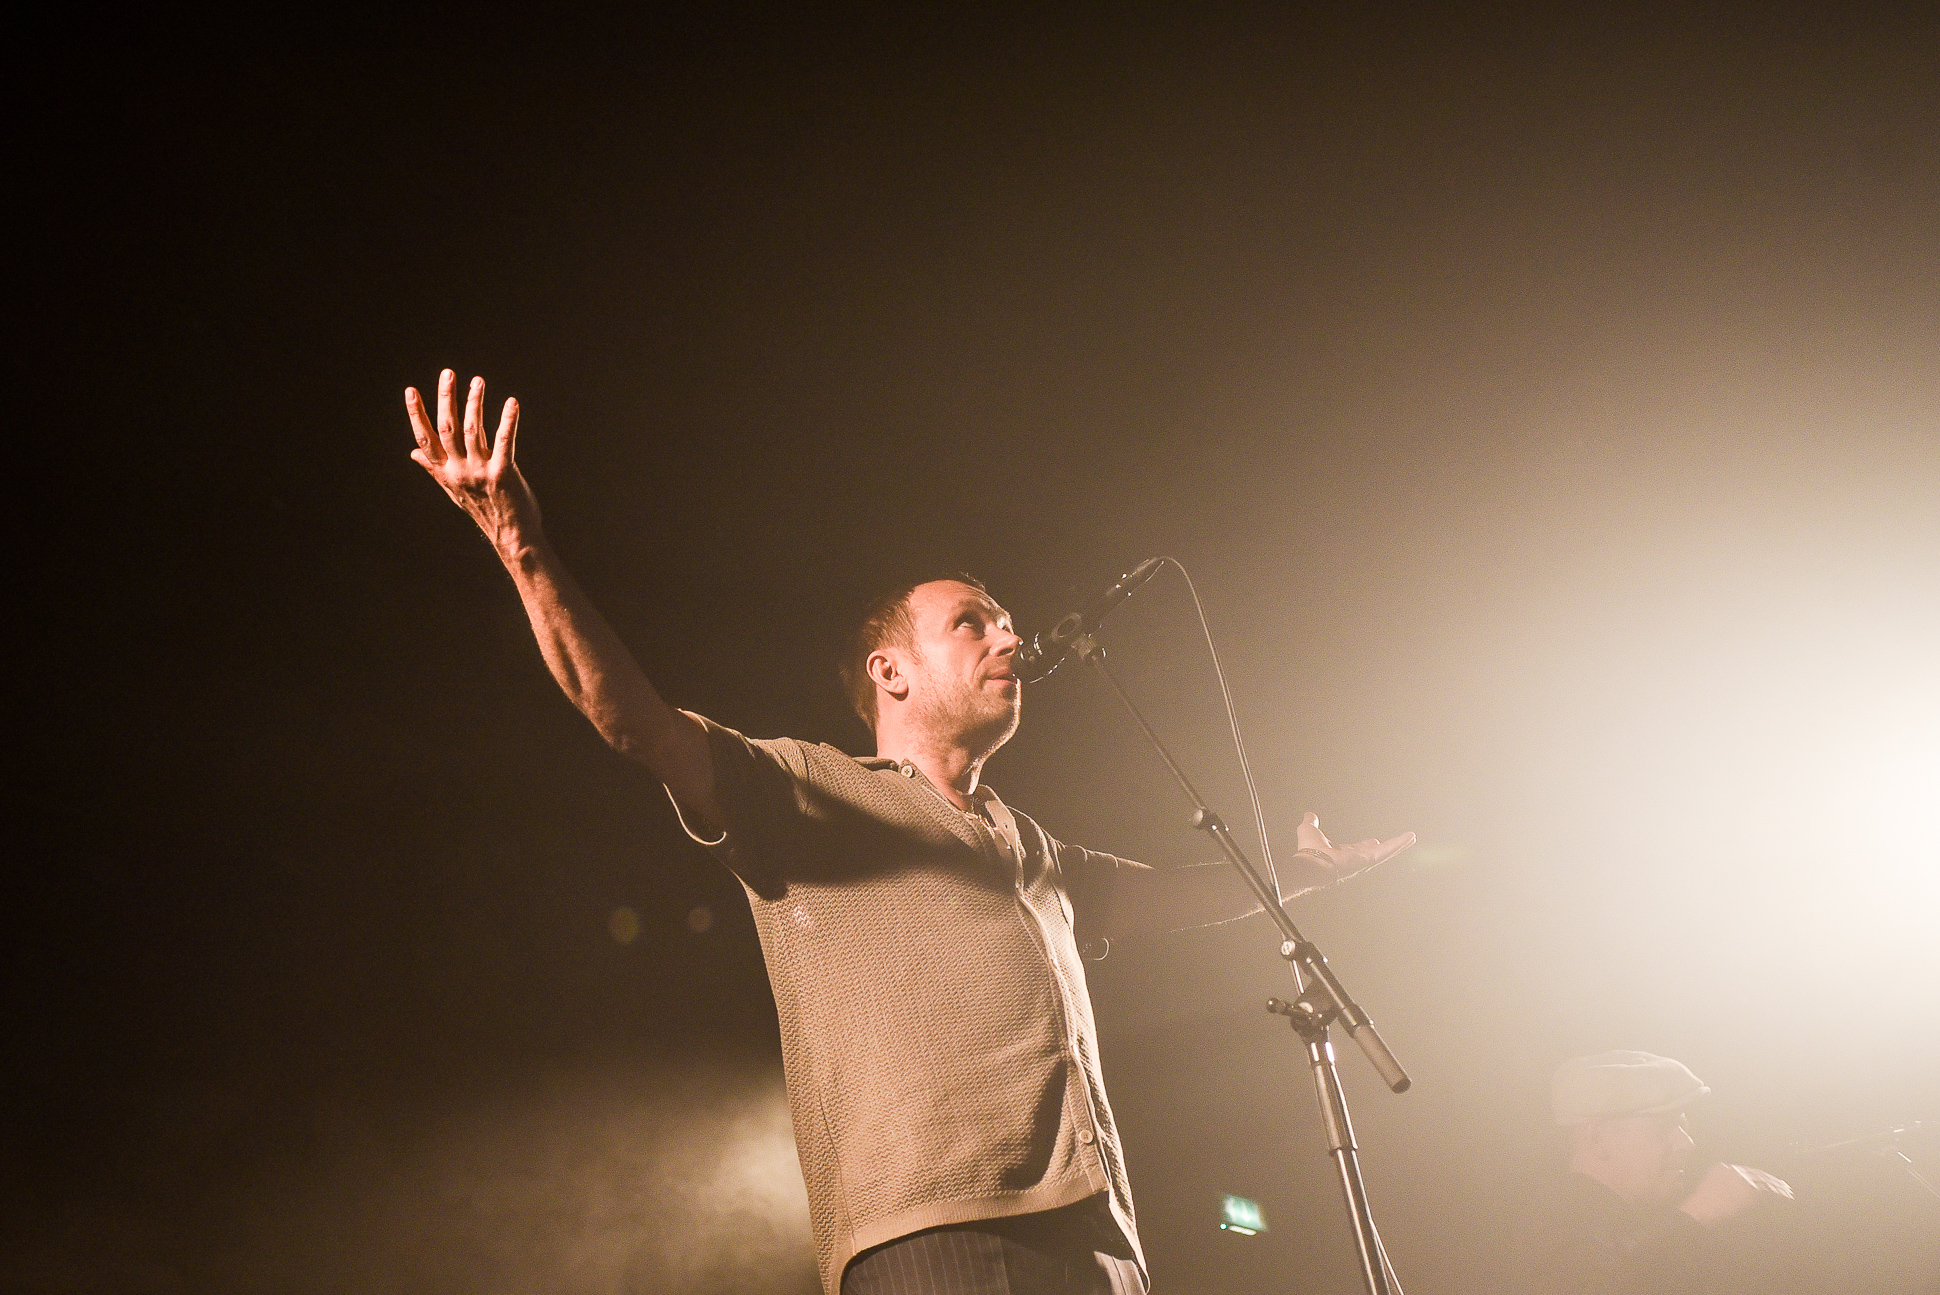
[(1319, 861)]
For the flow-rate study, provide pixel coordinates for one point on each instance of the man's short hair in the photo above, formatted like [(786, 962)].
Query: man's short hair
[(885, 620)]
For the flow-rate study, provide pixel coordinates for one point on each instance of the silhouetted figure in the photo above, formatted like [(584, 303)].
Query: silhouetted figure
[(1626, 1220)]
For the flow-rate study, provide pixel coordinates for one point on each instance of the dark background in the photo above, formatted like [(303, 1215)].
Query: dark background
[(1545, 405)]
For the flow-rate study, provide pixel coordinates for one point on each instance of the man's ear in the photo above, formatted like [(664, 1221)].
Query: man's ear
[(886, 672)]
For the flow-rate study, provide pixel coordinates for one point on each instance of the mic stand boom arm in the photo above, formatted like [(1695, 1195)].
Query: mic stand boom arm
[(1315, 1008)]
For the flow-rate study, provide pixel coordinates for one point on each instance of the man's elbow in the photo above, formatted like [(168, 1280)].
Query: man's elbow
[(674, 750)]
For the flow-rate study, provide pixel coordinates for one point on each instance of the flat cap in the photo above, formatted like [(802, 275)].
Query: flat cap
[(1611, 1085)]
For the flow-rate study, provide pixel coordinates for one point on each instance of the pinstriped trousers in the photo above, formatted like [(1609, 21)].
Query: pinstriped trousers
[(1063, 1252)]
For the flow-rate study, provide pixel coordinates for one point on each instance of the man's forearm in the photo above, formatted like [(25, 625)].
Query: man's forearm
[(601, 678), (1147, 901)]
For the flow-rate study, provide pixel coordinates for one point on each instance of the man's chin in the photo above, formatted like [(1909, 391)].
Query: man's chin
[(1001, 727)]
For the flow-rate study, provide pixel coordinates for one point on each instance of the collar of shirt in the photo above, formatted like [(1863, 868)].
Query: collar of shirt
[(989, 813), (982, 796)]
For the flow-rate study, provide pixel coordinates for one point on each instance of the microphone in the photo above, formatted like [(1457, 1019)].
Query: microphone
[(1038, 658), (1872, 1141)]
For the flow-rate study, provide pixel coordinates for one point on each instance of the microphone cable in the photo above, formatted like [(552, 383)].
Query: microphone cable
[(1232, 723)]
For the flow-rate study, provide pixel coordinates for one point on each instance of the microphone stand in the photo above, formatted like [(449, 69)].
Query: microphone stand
[(1320, 1000)]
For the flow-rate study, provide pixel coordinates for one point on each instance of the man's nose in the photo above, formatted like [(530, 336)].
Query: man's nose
[(1008, 641)]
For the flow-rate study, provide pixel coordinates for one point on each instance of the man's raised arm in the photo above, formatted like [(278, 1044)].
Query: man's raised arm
[(594, 668)]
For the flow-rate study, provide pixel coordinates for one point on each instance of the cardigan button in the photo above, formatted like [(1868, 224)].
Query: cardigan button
[(1086, 1136)]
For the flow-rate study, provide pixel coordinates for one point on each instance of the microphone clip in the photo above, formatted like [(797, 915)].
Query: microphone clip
[(1043, 654)]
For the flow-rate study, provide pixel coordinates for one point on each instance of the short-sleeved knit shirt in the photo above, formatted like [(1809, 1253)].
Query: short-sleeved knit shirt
[(936, 1029)]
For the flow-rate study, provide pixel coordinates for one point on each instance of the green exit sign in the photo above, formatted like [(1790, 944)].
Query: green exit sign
[(1237, 1214)]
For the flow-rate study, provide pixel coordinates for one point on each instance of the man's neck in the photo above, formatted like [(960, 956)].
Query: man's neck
[(951, 769)]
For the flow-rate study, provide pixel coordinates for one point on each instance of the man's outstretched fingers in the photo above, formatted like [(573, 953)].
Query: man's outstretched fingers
[(447, 430), (421, 428), (1385, 850), (505, 444), (474, 416)]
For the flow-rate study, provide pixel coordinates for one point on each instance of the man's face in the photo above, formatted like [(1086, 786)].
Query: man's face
[(1642, 1156), (960, 666)]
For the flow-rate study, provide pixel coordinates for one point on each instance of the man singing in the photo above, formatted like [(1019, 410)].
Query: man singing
[(921, 937)]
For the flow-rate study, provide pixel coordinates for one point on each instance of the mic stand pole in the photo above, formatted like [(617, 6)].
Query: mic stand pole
[(1320, 1002)]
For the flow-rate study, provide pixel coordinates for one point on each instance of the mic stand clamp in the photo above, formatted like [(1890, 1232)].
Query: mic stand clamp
[(1321, 1000)]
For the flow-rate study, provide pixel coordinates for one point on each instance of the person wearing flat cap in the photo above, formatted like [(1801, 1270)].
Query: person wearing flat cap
[(1629, 1219)]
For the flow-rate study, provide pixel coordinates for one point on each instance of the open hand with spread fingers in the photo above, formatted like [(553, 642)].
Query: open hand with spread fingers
[(481, 476), (1318, 861)]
